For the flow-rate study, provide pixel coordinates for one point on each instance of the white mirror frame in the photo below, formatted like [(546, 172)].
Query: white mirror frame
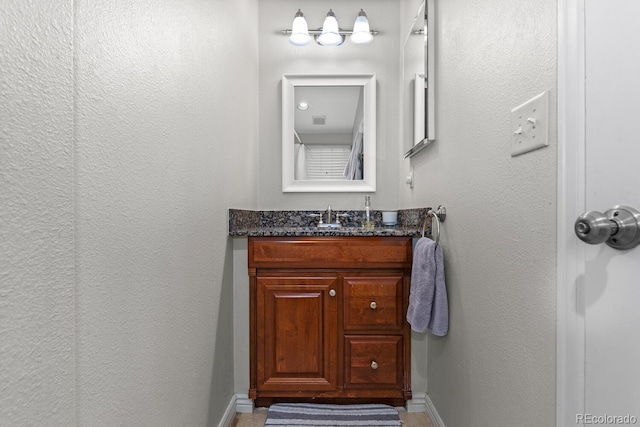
[(289, 83)]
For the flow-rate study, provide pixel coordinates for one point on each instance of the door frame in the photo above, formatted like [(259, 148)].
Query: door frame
[(570, 351)]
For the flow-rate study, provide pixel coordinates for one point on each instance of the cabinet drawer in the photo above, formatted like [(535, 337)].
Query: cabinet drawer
[(373, 361), (372, 302), (333, 252)]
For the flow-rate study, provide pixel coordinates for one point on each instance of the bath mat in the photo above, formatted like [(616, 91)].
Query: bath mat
[(317, 415)]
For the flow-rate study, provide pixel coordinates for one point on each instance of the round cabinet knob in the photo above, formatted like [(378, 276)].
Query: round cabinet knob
[(332, 292), (374, 364), (373, 305)]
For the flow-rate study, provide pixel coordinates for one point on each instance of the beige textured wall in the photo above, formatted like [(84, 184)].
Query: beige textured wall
[(36, 214), (125, 138), (497, 365), (166, 143)]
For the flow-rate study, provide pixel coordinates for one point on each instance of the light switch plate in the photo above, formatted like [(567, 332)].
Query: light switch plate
[(530, 125)]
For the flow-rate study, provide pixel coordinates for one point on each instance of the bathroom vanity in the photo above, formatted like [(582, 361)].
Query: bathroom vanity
[(327, 318)]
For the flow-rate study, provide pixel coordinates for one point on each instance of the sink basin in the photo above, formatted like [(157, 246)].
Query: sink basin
[(325, 225)]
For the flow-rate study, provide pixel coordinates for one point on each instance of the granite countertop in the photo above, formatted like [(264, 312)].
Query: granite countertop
[(243, 223)]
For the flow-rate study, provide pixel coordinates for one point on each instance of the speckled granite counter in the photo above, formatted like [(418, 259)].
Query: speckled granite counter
[(244, 223)]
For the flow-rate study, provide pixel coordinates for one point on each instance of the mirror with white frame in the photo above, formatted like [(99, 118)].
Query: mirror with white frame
[(329, 133)]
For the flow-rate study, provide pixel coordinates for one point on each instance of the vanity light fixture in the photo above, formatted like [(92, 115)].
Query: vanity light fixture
[(299, 30), (330, 31), (361, 32), (330, 34)]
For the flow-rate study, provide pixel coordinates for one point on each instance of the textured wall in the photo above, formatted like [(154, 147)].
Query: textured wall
[(278, 57), (157, 121), (497, 365), (166, 143), (36, 214)]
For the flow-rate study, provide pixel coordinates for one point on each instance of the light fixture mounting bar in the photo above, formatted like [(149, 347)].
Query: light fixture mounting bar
[(318, 32)]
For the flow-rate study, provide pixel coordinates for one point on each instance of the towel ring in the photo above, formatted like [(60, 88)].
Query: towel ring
[(438, 215)]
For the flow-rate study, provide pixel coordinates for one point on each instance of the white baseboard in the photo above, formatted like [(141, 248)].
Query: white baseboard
[(229, 414), (433, 413), (239, 404), (417, 403), (244, 405)]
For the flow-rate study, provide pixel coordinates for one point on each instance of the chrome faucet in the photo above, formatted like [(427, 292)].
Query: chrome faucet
[(329, 214)]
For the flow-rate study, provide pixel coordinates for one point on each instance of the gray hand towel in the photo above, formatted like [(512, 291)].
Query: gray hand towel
[(428, 306)]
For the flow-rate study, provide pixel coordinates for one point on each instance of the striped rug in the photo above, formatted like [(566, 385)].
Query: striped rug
[(316, 415)]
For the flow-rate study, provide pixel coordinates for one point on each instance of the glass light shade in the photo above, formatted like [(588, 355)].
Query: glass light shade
[(330, 32), (299, 30), (361, 31)]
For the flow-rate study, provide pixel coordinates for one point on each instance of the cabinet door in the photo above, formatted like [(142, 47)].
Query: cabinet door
[(297, 333)]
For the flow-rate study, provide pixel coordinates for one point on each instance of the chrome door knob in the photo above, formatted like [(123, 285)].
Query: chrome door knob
[(619, 227), (332, 292), (593, 227)]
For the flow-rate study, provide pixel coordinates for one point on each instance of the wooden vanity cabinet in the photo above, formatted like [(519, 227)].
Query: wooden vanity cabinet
[(327, 319)]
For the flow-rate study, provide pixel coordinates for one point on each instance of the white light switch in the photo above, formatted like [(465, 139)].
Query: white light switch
[(530, 125)]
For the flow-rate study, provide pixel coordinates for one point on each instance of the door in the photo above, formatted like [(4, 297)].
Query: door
[(612, 170), (598, 286), (297, 332)]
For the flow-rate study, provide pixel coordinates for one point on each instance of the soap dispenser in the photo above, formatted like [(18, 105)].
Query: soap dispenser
[(368, 223)]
